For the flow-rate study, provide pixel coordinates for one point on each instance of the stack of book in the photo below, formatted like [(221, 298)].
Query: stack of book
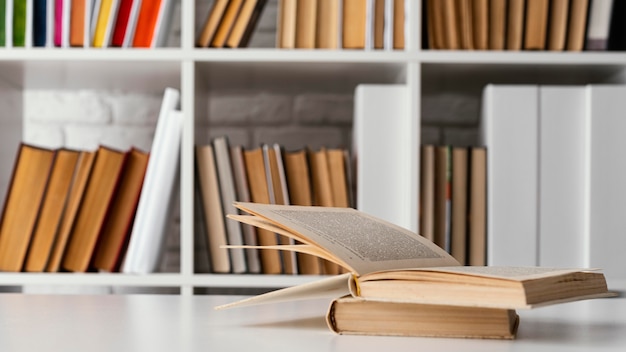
[(271, 175), (400, 283), (85, 23), (77, 210), (558, 25)]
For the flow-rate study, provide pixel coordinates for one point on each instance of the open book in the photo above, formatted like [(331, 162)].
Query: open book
[(390, 263)]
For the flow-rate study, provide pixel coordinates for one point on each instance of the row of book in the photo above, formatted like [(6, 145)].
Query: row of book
[(87, 210), (453, 208), (559, 25), (85, 23), (266, 174), (230, 23)]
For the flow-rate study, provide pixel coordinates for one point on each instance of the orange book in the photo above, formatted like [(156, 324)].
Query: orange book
[(226, 24), (77, 23), (146, 22), (99, 193), (116, 232), (354, 18)]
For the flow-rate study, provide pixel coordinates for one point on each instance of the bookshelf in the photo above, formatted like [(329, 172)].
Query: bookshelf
[(200, 71)]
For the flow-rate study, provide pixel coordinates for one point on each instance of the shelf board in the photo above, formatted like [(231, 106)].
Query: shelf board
[(522, 57)]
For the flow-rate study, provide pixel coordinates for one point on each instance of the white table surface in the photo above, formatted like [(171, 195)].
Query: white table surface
[(189, 323)]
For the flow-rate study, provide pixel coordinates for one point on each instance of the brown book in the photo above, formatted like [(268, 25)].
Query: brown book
[(51, 212), (379, 24), (480, 18), (306, 23), (300, 193), (84, 165), (398, 24), (427, 192), (577, 24), (212, 22), (557, 31), (286, 24), (99, 193), (442, 196), (458, 220), (77, 23), (497, 24), (477, 218), (515, 24), (277, 186), (338, 177), (115, 235), (245, 24), (466, 26), (354, 24), (450, 20), (436, 31), (226, 23), (212, 208), (352, 316), (22, 205), (327, 36), (536, 24), (255, 168)]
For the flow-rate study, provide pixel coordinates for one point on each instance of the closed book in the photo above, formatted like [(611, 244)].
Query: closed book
[(497, 24), (286, 24), (515, 24), (212, 21), (19, 22), (146, 22), (577, 25), (131, 26), (557, 24), (107, 14), (458, 216), (245, 24), (435, 24), (114, 237), (80, 177), (379, 24), (162, 26), (39, 22), (121, 22), (598, 25), (52, 208), (399, 25), (480, 24), (259, 193), (226, 23), (477, 207), (352, 316), (466, 25), (536, 24), (58, 22), (327, 27), (214, 219), (3, 21), (22, 205), (337, 160), (442, 197), (450, 25), (99, 194), (306, 24), (77, 23), (427, 192), (354, 24)]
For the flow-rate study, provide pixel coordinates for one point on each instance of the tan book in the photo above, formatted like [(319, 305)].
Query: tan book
[(352, 316), (286, 24), (22, 206), (536, 24), (300, 193), (80, 178), (338, 177), (458, 216), (477, 218), (77, 23), (327, 27), (52, 208), (398, 24), (480, 24), (442, 197), (515, 24), (451, 28), (306, 24), (435, 24), (115, 234), (212, 209), (379, 24), (497, 24), (257, 182), (427, 192), (388, 262), (354, 24), (466, 26), (226, 23), (99, 194), (245, 24), (212, 22), (557, 31), (577, 24)]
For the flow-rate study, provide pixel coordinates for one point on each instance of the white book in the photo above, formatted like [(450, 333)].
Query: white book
[(87, 34), (229, 196), (388, 31), (8, 22), (132, 24), (110, 26), (163, 24), (369, 24), (607, 175), (65, 24), (510, 133), (381, 134), (149, 228), (562, 200), (50, 23), (95, 12), (599, 23), (28, 35)]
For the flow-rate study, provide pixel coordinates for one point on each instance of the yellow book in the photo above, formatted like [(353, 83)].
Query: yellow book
[(106, 15)]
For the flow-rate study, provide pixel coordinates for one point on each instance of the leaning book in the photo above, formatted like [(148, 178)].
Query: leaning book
[(388, 263)]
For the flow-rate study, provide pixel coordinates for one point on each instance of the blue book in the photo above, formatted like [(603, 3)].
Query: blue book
[(39, 22)]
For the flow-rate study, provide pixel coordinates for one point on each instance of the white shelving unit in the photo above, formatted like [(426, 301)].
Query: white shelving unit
[(198, 71)]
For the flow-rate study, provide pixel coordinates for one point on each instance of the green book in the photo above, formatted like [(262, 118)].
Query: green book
[(3, 5), (19, 23)]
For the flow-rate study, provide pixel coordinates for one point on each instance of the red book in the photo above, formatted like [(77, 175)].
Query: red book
[(121, 24), (146, 22), (58, 22)]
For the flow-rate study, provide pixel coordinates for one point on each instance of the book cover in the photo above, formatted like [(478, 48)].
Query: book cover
[(497, 24), (577, 25), (354, 15), (286, 24), (210, 25), (536, 24), (477, 208), (107, 15), (306, 24), (515, 24), (77, 23), (245, 24), (399, 24), (450, 24), (598, 25), (162, 26), (557, 24), (121, 23), (466, 25), (146, 22), (131, 26), (480, 24), (427, 191), (327, 27), (39, 22), (226, 24), (19, 23), (459, 199)]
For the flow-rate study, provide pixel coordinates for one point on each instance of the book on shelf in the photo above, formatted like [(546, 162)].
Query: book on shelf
[(351, 316), (286, 24), (79, 21), (153, 210), (354, 15), (40, 15), (121, 22), (378, 24), (51, 213), (97, 201), (577, 25), (22, 204), (399, 24), (113, 239), (557, 30), (21, 12), (226, 23), (327, 26), (477, 207), (450, 24), (152, 23), (306, 22), (480, 23), (515, 24), (598, 25), (536, 24), (391, 263), (497, 24), (107, 14), (211, 23), (442, 197), (458, 203), (427, 191), (245, 24)]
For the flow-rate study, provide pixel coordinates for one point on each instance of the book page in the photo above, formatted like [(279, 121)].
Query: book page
[(365, 243)]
